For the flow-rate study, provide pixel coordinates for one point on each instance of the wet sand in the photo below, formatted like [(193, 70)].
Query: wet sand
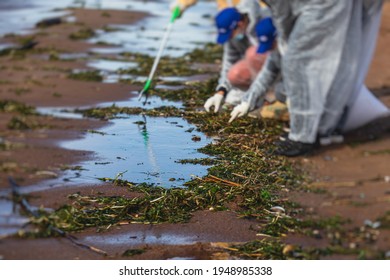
[(353, 176)]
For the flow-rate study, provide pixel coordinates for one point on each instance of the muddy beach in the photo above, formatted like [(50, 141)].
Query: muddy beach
[(166, 180)]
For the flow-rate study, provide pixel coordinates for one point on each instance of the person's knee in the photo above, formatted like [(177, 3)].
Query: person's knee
[(240, 74)]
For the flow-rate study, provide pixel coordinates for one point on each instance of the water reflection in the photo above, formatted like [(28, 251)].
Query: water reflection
[(142, 237), (143, 149), (10, 219), (111, 65)]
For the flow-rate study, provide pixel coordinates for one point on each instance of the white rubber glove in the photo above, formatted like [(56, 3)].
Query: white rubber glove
[(239, 111), (216, 100)]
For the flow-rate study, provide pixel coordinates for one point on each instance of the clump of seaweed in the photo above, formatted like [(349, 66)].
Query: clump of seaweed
[(23, 123), (17, 123), (133, 252), (115, 112), (7, 145), (82, 34), (385, 220), (265, 249), (11, 106), (181, 66), (93, 76), (210, 53), (25, 44), (193, 95), (276, 249), (201, 161)]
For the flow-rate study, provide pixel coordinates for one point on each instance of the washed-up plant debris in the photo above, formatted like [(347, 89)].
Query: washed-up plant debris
[(93, 76), (11, 106), (244, 177), (116, 112), (180, 67), (82, 34), (23, 116), (7, 145), (251, 179)]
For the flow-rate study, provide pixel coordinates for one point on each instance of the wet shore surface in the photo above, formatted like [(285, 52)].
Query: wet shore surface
[(60, 152)]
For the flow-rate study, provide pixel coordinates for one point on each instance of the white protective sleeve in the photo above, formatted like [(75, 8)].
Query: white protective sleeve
[(263, 81)]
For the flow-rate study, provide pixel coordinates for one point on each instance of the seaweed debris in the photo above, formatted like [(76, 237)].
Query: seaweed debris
[(249, 179), (116, 112), (181, 66), (11, 106), (93, 76), (82, 34)]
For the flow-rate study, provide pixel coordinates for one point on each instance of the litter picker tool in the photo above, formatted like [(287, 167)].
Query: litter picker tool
[(144, 91)]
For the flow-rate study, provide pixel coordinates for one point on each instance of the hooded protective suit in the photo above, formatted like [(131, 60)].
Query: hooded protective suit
[(325, 56)]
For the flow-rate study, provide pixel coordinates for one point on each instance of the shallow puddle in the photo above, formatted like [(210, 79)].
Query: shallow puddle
[(59, 112), (109, 70), (142, 149), (192, 30), (137, 238), (152, 102), (116, 78), (69, 112), (72, 56), (4, 46), (111, 65), (19, 16), (10, 219)]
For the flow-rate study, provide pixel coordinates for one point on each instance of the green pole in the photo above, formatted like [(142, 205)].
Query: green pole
[(175, 14), (147, 85)]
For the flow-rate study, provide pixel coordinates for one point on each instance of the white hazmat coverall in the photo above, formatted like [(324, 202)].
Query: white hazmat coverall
[(324, 58), (361, 107)]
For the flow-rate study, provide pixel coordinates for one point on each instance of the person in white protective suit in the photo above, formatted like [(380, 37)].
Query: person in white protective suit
[(270, 75), (324, 52), (240, 63)]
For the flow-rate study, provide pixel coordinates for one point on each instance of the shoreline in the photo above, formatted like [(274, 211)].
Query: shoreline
[(340, 183)]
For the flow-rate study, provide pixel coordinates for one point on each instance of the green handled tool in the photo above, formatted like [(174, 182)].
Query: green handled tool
[(175, 15)]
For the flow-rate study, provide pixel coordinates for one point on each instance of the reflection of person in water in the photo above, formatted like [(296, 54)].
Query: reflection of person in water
[(152, 157), (143, 129)]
